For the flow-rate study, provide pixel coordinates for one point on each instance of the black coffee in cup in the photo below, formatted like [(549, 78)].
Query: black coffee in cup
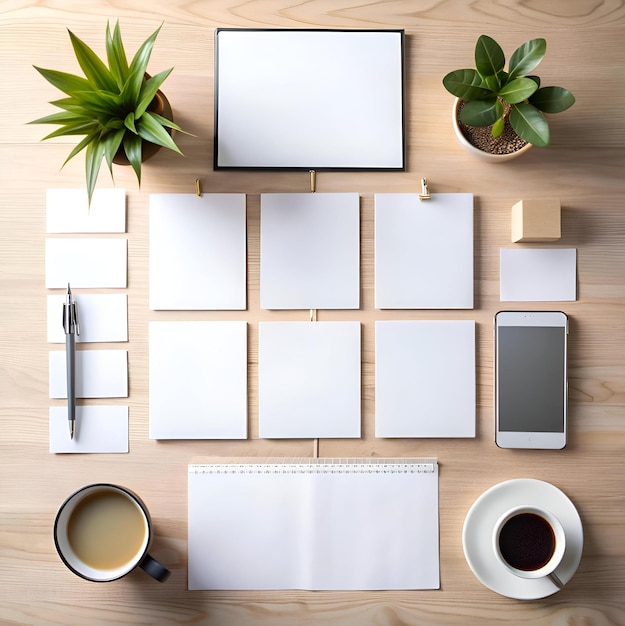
[(527, 541)]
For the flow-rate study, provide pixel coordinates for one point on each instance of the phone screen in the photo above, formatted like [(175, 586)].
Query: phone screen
[(532, 378)]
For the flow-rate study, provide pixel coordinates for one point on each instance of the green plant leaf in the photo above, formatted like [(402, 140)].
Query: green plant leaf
[(498, 127), (95, 153), (518, 90), (129, 122), (68, 130), (148, 91), (489, 57), (112, 142), (150, 129), (168, 123), (530, 124), (493, 82), (95, 71), (526, 57), (116, 55), (69, 104), (465, 84), (481, 112), (138, 68), (60, 117), (100, 101), (81, 145), (67, 83), (553, 99), (132, 148)]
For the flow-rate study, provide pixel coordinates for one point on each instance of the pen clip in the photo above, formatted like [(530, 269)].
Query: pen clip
[(70, 315)]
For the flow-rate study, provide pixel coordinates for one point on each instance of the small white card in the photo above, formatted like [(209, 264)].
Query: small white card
[(99, 374), (68, 211), (86, 262), (538, 274), (424, 251), (198, 380), (310, 251), (198, 252), (98, 429), (425, 378), (309, 379), (101, 317)]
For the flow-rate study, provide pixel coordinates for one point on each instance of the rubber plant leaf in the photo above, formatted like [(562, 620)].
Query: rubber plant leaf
[(465, 84), (552, 99), (481, 112), (530, 124), (526, 57), (518, 90), (489, 57)]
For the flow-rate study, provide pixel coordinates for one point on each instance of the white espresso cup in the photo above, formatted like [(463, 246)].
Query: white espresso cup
[(102, 532), (530, 542)]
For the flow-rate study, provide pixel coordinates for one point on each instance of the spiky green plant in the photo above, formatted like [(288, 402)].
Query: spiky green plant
[(109, 105), (491, 94)]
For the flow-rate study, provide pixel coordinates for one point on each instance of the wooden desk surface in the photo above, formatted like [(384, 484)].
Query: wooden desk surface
[(583, 167)]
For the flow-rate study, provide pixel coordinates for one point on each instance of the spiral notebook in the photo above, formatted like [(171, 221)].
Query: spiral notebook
[(313, 524)]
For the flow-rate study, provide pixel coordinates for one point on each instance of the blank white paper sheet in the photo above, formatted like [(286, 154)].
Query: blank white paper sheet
[(310, 251), (309, 379), (102, 317), (99, 429), (68, 211), (538, 274), (198, 380), (99, 374), (424, 251), (354, 524), (86, 262), (198, 252), (425, 378)]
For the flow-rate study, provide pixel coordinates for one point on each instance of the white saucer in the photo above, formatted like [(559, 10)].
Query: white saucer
[(480, 522)]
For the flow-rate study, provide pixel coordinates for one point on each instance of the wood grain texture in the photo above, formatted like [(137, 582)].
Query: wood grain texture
[(583, 168)]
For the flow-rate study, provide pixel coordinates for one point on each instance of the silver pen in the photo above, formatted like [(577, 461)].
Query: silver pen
[(71, 327)]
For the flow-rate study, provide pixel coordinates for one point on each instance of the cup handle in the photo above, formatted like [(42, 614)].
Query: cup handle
[(554, 578), (154, 569)]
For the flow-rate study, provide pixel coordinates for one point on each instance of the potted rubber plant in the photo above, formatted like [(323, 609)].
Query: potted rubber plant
[(119, 109), (500, 113)]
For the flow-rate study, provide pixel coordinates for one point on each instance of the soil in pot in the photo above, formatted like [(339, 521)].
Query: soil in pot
[(480, 137)]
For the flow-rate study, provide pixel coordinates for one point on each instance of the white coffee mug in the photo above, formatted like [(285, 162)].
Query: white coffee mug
[(102, 532), (529, 542)]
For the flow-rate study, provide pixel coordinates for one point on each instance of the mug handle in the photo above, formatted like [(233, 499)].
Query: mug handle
[(154, 568)]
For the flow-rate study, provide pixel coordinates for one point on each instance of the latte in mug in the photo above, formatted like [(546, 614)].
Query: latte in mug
[(106, 530), (102, 532)]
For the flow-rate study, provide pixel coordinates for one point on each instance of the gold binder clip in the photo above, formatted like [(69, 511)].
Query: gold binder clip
[(313, 181), (425, 194), (198, 188)]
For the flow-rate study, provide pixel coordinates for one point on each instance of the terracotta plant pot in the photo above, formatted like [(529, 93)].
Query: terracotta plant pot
[(160, 105), (474, 150)]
